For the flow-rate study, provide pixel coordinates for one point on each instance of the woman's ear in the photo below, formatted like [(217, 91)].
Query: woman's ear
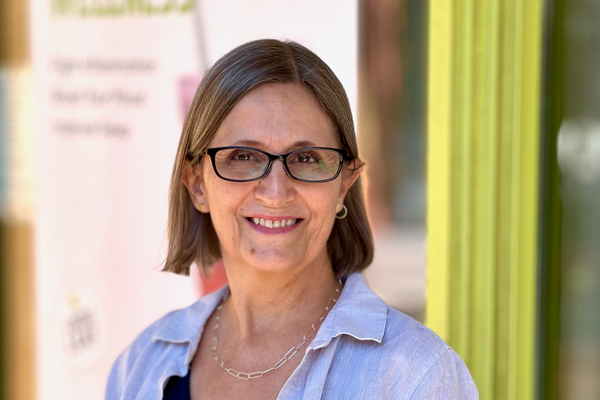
[(350, 174), (192, 179)]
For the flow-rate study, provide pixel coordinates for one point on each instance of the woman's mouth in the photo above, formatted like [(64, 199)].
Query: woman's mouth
[(274, 223)]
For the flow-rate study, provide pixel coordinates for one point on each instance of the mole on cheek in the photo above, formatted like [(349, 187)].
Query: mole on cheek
[(252, 251)]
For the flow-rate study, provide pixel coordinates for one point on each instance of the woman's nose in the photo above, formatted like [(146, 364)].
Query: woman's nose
[(276, 187)]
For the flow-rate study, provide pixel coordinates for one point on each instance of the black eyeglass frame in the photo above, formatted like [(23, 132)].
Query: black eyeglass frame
[(272, 158)]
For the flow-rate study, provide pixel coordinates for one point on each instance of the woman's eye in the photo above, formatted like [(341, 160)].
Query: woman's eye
[(304, 158), (241, 157)]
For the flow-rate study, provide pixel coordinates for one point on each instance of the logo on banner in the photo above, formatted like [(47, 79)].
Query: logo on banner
[(81, 328)]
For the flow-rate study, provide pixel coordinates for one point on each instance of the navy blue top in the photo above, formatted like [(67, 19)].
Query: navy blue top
[(178, 388)]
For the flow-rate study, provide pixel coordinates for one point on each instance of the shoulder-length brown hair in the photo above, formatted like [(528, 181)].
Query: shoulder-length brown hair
[(192, 236)]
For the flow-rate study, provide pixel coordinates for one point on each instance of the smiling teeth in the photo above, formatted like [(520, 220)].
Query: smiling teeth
[(274, 224)]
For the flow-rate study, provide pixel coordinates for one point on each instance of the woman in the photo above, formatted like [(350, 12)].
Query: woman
[(267, 179)]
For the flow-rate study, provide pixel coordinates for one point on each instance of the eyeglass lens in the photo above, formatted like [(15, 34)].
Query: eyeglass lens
[(305, 164)]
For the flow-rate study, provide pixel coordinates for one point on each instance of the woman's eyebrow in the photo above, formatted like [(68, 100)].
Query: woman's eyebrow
[(304, 143), (254, 143), (251, 143)]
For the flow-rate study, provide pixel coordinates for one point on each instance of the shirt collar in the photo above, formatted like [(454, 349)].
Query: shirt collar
[(186, 326), (358, 312)]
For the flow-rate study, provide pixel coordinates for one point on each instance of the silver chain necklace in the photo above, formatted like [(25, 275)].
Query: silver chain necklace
[(291, 353)]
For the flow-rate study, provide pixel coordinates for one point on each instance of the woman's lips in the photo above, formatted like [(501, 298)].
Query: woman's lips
[(273, 225)]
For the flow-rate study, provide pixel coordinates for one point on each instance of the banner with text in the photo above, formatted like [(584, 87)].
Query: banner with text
[(112, 82)]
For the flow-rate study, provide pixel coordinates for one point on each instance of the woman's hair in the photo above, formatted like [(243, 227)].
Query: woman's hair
[(192, 236)]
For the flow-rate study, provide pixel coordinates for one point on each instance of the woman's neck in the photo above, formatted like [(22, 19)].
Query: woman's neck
[(264, 303)]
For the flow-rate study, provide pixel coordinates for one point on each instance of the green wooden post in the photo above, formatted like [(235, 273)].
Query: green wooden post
[(483, 178)]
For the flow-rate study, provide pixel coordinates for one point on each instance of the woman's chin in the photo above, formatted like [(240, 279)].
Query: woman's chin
[(270, 258), (272, 266), (270, 262)]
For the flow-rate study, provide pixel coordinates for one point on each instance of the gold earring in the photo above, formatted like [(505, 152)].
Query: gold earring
[(201, 207), (345, 210)]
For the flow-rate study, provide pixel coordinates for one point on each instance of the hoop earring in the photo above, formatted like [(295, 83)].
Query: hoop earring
[(345, 211)]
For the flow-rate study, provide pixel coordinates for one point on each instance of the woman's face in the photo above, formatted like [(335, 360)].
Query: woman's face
[(276, 118)]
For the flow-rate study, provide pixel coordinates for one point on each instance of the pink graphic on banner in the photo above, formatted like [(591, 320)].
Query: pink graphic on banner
[(187, 89)]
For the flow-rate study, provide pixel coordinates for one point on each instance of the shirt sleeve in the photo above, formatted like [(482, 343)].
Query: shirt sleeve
[(447, 379)]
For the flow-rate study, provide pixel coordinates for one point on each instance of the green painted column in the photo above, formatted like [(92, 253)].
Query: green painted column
[(484, 85)]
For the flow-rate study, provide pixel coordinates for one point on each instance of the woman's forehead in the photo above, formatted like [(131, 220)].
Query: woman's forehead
[(277, 116)]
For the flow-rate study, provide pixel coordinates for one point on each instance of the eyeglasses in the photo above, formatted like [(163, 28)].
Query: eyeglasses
[(309, 164)]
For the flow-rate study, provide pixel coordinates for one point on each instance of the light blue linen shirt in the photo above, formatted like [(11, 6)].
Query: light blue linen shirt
[(363, 350)]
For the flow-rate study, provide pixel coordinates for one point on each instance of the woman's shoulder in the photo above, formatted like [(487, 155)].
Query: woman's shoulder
[(396, 355), (435, 366), (364, 315), (137, 360), (409, 362), (140, 356), (178, 326), (411, 333), (161, 350), (146, 340), (399, 342)]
